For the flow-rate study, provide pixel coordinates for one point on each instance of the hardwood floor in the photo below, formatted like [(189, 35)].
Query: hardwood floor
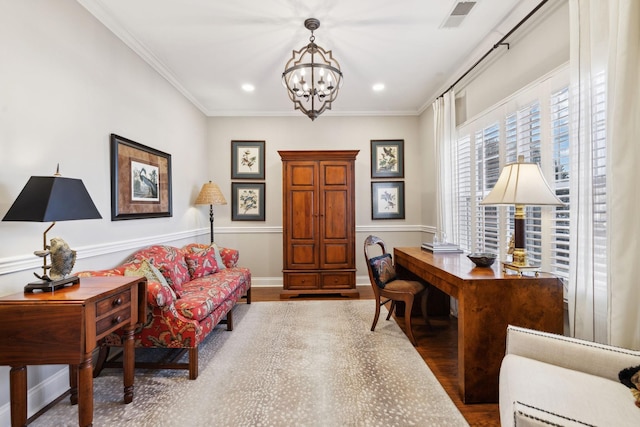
[(438, 348)]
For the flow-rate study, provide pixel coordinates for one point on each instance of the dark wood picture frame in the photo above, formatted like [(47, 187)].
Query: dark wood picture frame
[(135, 192), (387, 158), (247, 159), (248, 201), (387, 200)]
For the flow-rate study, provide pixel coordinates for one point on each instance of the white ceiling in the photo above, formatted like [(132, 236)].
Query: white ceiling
[(209, 48)]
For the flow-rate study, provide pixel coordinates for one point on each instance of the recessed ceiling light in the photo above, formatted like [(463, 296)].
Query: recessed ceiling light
[(378, 87), (248, 87)]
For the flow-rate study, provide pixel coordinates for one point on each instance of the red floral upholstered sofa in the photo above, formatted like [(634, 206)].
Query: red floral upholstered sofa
[(189, 291)]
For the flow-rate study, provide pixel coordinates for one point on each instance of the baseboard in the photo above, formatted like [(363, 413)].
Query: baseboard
[(271, 282)]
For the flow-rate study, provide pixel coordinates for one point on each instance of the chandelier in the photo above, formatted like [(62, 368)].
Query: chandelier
[(312, 76)]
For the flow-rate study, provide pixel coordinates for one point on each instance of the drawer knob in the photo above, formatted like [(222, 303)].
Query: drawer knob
[(117, 301), (116, 319)]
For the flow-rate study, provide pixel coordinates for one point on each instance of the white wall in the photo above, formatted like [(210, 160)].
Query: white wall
[(66, 84)]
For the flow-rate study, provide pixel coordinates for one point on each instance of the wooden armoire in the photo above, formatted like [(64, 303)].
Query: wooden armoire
[(318, 221)]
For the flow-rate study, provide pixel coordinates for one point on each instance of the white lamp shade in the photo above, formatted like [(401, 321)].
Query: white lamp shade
[(521, 184), (210, 194)]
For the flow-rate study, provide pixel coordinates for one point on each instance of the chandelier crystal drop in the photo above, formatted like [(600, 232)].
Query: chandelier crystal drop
[(312, 76)]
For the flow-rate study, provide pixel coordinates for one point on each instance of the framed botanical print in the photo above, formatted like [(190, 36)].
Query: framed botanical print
[(247, 201), (140, 181), (387, 158), (387, 200), (247, 159)]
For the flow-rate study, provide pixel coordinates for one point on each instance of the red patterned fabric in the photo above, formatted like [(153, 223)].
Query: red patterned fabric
[(186, 321), (171, 263), (201, 263), (230, 257)]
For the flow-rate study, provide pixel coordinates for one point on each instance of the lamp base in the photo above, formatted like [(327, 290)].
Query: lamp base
[(50, 285), (520, 268)]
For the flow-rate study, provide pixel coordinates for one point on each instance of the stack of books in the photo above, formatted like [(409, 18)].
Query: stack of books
[(442, 248)]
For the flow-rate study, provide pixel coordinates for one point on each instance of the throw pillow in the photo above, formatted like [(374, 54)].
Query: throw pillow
[(201, 263), (216, 249), (221, 265), (152, 274), (631, 378), (382, 269)]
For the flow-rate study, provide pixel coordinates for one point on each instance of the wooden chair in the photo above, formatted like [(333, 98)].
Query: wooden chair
[(383, 280)]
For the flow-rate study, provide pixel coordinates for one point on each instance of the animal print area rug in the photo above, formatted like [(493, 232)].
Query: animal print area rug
[(286, 363)]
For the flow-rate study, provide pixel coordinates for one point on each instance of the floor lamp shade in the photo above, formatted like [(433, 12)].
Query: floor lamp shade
[(210, 194), (521, 184)]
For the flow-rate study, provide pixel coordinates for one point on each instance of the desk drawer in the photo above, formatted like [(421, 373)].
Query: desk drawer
[(113, 320), (113, 303)]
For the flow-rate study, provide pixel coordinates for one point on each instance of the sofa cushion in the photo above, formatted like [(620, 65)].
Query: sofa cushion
[(170, 261), (201, 263), (148, 270), (202, 295), (199, 247), (382, 269), (529, 386)]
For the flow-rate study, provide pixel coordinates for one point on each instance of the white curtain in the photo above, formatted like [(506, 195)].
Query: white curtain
[(624, 155), (444, 120), (604, 301)]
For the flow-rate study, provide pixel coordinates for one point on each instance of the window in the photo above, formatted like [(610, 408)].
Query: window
[(534, 123)]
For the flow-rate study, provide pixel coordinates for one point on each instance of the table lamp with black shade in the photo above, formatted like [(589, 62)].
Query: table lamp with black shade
[(52, 199), (521, 184)]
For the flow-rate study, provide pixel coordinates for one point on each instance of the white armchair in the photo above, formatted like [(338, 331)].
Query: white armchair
[(548, 379)]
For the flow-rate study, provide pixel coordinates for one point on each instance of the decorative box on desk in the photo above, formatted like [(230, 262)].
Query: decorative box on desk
[(63, 327)]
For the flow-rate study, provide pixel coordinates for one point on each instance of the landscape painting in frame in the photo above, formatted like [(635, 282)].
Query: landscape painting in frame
[(387, 200), (248, 202), (387, 158), (140, 181), (247, 159)]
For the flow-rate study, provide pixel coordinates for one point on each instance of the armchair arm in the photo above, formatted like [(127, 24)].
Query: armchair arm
[(571, 353)]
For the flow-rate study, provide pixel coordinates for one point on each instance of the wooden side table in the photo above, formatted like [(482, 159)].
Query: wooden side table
[(63, 327)]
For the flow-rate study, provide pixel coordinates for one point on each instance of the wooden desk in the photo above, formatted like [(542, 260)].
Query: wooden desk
[(63, 327), (488, 301)]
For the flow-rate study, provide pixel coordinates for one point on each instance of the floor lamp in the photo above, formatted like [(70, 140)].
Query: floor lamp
[(210, 194), (521, 184)]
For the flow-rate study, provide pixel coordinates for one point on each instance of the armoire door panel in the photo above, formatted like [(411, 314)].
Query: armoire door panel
[(336, 255), (303, 174), (335, 174), (303, 256), (335, 215), (303, 218)]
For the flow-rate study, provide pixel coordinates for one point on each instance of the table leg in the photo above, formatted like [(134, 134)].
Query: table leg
[(73, 384), (128, 363), (18, 393), (85, 392)]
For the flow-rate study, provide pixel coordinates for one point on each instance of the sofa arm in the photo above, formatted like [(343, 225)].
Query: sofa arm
[(158, 295), (571, 353)]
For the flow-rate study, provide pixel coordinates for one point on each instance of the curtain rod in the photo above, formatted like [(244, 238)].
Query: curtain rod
[(495, 46)]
